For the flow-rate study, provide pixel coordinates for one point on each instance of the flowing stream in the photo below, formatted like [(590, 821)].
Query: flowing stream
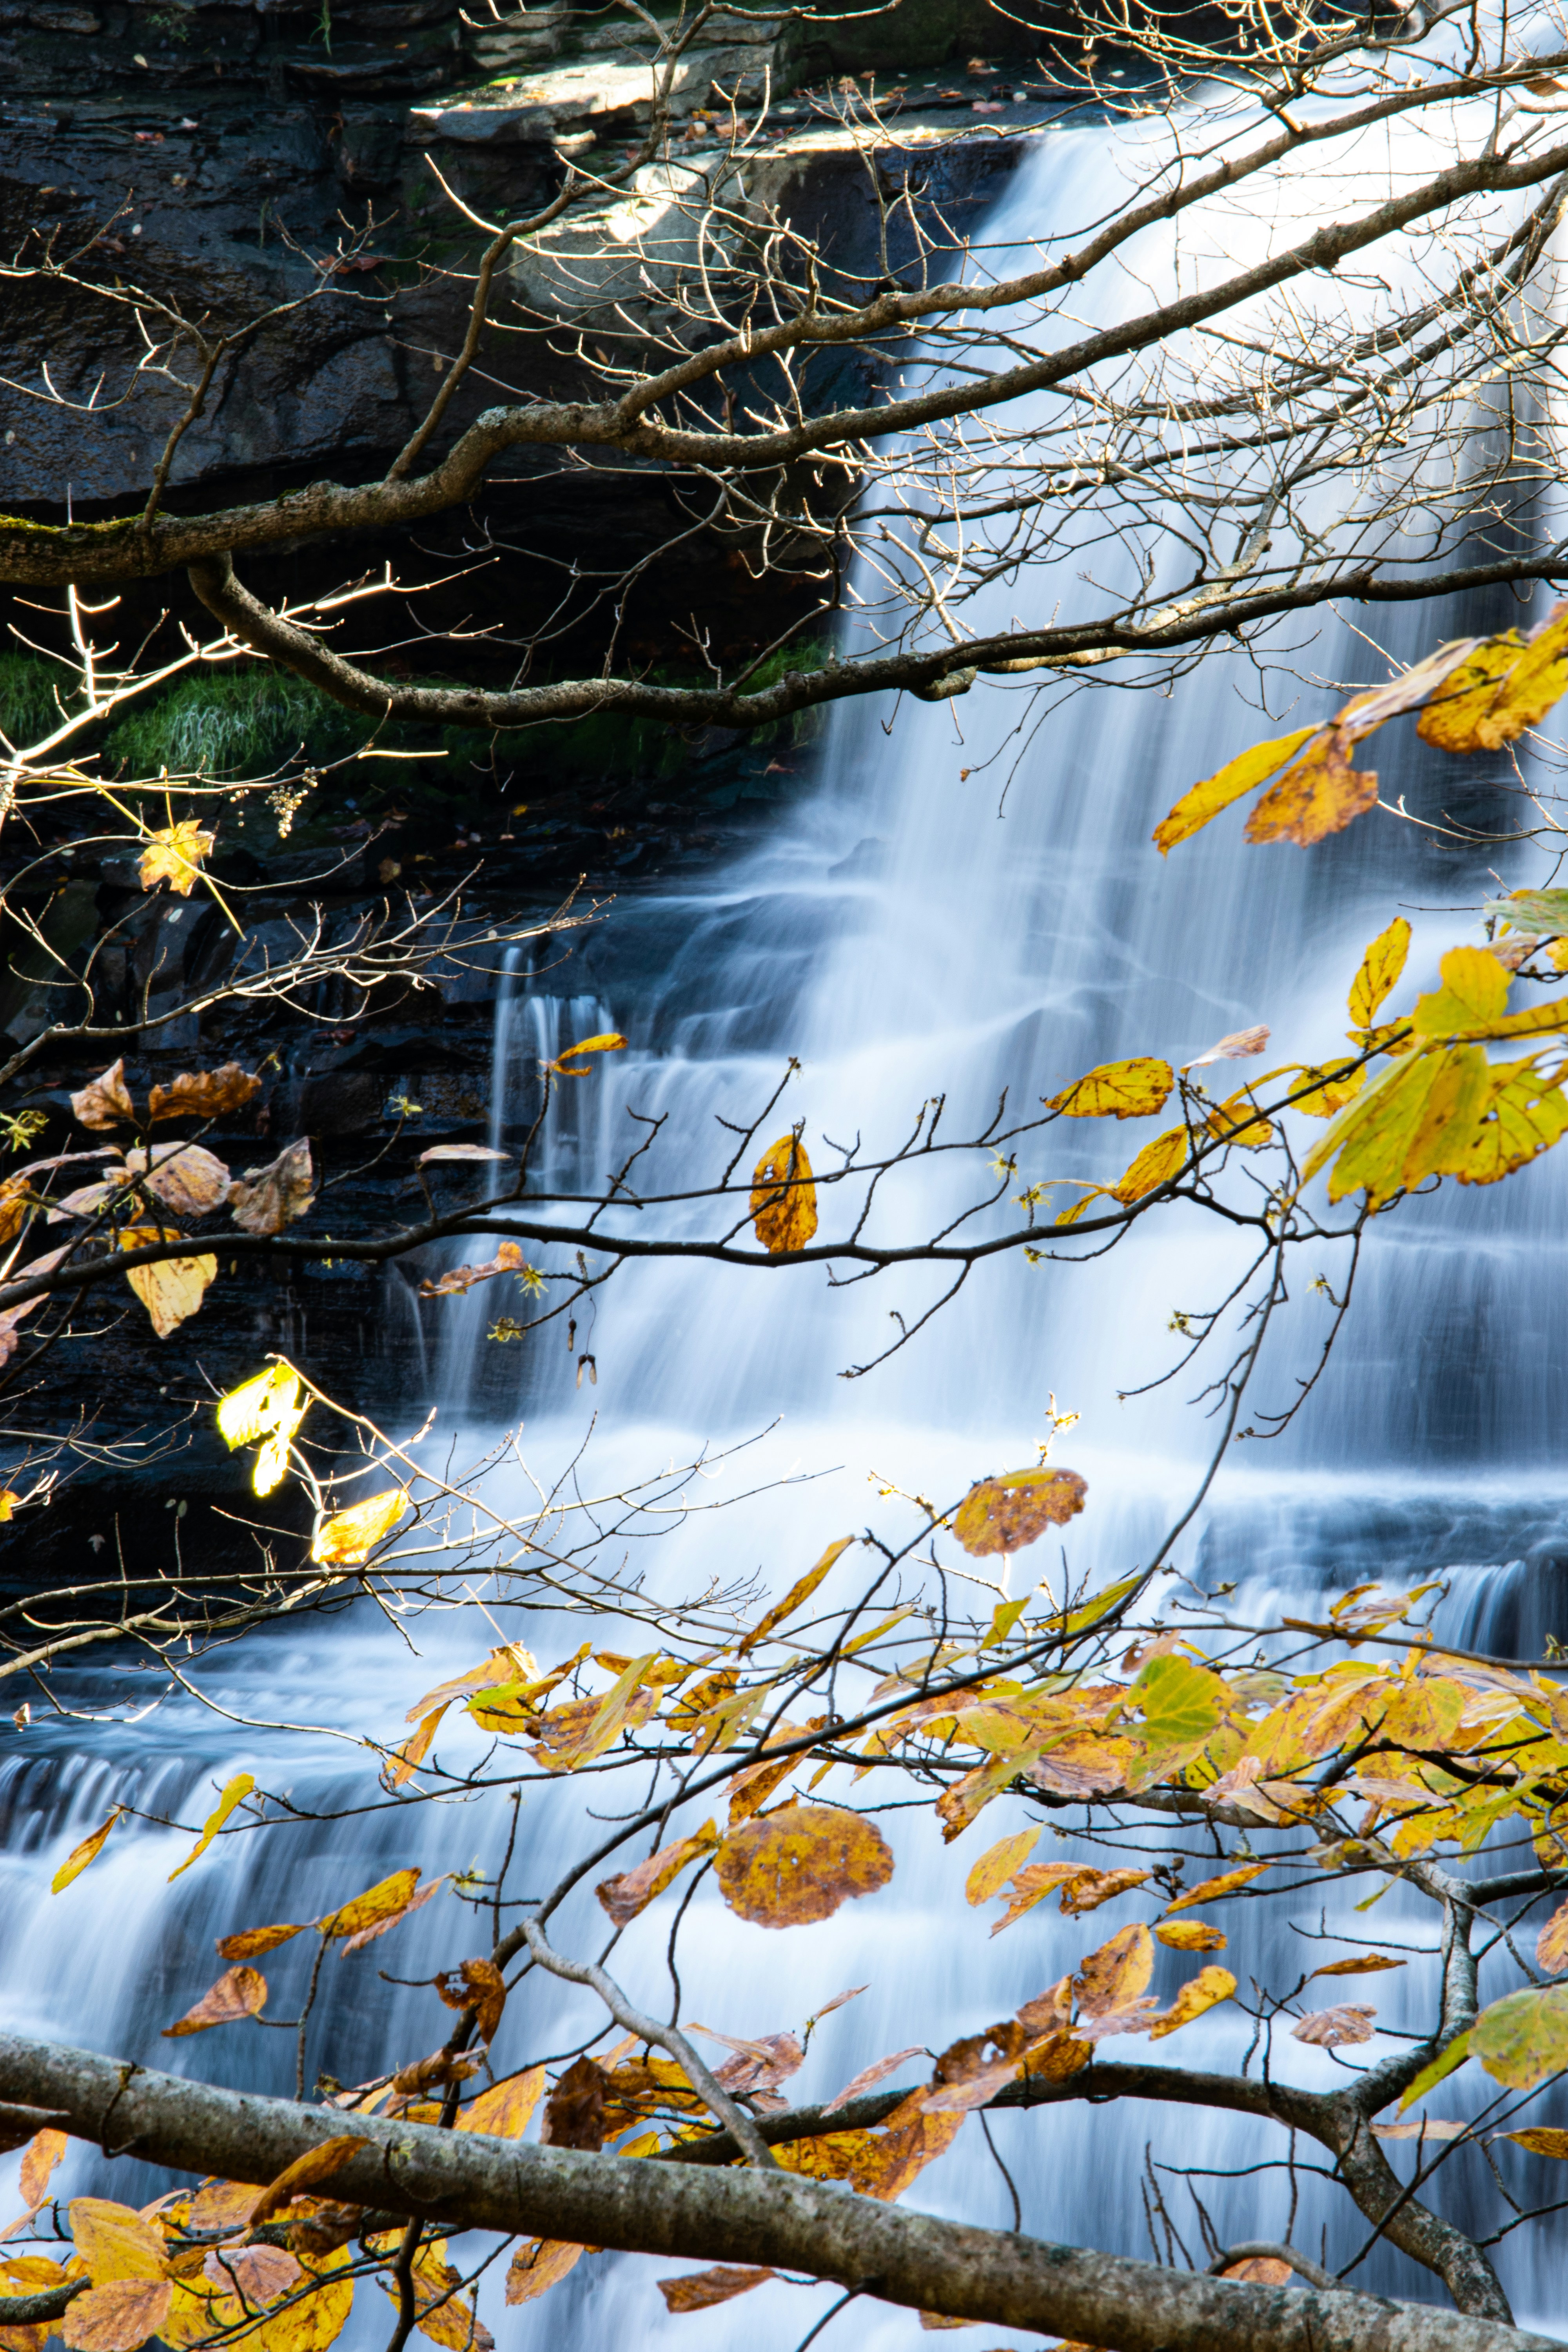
[(904, 933)]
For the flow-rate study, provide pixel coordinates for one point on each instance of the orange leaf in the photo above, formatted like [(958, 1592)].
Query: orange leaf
[(868, 2077), (252, 1942), (1117, 1973), (349, 1537), (538, 2267), (119, 2317), (39, 2158), (316, 2165), (699, 2290), (505, 2109), (1204, 802), (242, 1992), (1364, 1964), (203, 1094), (1004, 1513), (800, 1863), (104, 1101), (633, 1890), (479, 1988), (1551, 1943), (1265, 2270)]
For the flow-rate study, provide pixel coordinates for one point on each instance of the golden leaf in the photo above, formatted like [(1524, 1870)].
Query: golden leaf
[(1132, 1090), (890, 2160), (252, 1942), (1155, 1165), (1212, 1890), (204, 1094), (632, 1891), (1004, 1513), (1525, 1114), (267, 1199), (1332, 1086), (171, 1290), (1380, 969), (505, 2109), (317, 2164), (119, 2317), (1320, 795), (998, 1863), (1422, 1117), (39, 2158), (800, 1863), (701, 2290), (1113, 1977), (1551, 1943), (76, 1860), (1451, 721), (797, 1593), (114, 2241), (104, 1101), (349, 1537), (1472, 999), (538, 2265), (1541, 2139), (387, 1899), (1329, 2029), (1527, 691), (1088, 1892), (608, 1041), (783, 1197), (234, 1794), (174, 856), (1205, 801), (269, 1408), (241, 1992), (1360, 1964), (186, 1177), (1191, 1936), (1199, 1993)]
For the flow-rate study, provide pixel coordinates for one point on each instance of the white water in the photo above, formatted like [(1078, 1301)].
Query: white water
[(965, 950)]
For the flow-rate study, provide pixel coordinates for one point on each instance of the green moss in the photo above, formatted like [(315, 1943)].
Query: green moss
[(27, 707), (235, 723)]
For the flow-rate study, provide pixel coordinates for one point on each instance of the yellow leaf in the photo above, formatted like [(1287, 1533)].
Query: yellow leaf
[(1155, 1165), (1525, 1115), (1320, 795), (998, 1863), (1541, 2139), (1452, 719), (242, 1992), (537, 2267), (1380, 969), (1212, 1889), (252, 1942), (1527, 691), (76, 1860), (1360, 1964), (350, 1538), (317, 2165), (505, 2109), (1014, 1508), (269, 1408), (632, 1891), (234, 1793), (608, 1041), (1238, 1121), (384, 1900), (1113, 1977), (1199, 1993), (174, 856), (1332, 1086), (171, 1290), (114, 2241), (407, 1760), (117, 2318), (1472, 999), (204, 1094), (39, 2158), (104, 1101), (796, 1594), (1132, 1089), (800, 1863), (1205, 801), (1191, 1936), (783, 1197)]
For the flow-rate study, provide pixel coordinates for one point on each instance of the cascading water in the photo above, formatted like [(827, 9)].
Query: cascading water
[(903, 936)]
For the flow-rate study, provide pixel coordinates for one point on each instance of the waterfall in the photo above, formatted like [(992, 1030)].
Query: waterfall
[(905, 933)]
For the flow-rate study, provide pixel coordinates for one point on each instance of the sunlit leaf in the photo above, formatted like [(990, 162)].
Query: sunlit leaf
[(1213, 1890), (174, 856), (349, 1537), (1527, 691), (608, 1041), (633, 1890), (1200, 1993), (104, 1101), (242, 1992), (1132, 1090), (1239, 1123), (267, 1199), (1191, 1936), (1379, 971), (538, 2265), (1331, 1085), (76, 1860), (1004, 1513), (887, 2161), (998, 1863), (797, 1595), (1318, 794), (1155, 1165), (204, 1094), (172, 1289), (269, 1408), (800, 1863), (783, 1197), (1205, 801), (234, 1794), (439, 1153), (307, 2172), (1329, 2029), (387, 1899), (701, 2290), (1524, 1114)]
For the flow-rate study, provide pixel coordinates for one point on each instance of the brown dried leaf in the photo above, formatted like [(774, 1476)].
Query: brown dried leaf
[(204, 1094), (104, 1101), (538, 2267), (575, 2111), (241, 1992), (1541, 2139), (440, 2066), (1234, 1048), (800, 1863), (506, 2109), (318, 2163), (1329, 2029), (758, 2066), (1551, 1943), (868, 2077), (479, 1986), (119, 2317), (267, 1199), (1264, 2269), (783, 1197), (43, 2152), (186, 1177), (459, 1279), (1097, 1886), (888, 2160), (1004, 1513), (701, 2290)]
